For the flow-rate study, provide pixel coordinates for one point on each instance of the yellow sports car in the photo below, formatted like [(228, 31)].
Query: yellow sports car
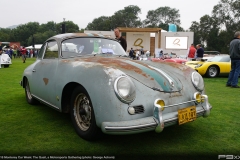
[(218, 65)]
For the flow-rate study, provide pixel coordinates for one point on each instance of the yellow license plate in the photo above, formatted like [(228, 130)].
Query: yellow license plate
[(187, 115)]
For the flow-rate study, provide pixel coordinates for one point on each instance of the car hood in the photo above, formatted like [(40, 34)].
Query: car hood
[(160, 76)]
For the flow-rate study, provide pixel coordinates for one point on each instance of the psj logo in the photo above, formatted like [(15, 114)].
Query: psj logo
[(228, 157)]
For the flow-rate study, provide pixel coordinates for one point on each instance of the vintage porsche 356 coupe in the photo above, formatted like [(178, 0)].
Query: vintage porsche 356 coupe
[(90, 77)]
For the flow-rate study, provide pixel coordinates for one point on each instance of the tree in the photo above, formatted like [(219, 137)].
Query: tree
[(162, 16), (49, 26), (102, 23), (25, 32), (5, 34), (128, 17), (197, 35), (71, 27), (227, 13)]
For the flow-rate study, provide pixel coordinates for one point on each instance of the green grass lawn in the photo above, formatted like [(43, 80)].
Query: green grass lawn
[(40, 130)]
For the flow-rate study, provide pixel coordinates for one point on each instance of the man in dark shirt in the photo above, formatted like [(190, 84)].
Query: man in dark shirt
[(234, 51), (200, 52), (120, 39)]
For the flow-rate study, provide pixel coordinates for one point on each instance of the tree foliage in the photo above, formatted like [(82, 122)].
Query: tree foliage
[(102, 23), (127, 17), (162, 16), (24, 33), (216, 31)]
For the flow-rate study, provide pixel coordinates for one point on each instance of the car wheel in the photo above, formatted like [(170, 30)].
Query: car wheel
[(6, 66), (28, 94), (212, 71), (82, 115)]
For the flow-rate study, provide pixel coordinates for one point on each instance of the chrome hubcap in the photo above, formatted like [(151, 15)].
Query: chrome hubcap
[(82, 112), (28, 91), (213, 71)]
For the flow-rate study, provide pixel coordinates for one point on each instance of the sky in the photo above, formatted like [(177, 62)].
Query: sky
[(82, 12)]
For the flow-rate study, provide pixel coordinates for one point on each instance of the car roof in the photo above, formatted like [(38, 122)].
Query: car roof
[(61, 37)]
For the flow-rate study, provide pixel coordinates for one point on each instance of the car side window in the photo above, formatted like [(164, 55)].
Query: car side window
[(41, 51), (51, 50), (226, 59)]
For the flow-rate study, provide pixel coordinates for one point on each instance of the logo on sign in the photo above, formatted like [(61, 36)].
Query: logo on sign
[(138, 42), (176, 42)]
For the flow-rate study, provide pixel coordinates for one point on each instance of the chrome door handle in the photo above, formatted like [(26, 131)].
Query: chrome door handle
[(33, 70)]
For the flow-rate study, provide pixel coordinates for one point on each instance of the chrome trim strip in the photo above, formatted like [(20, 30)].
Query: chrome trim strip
[(164, 74), (49, 104), (139, 127), (179, 103)]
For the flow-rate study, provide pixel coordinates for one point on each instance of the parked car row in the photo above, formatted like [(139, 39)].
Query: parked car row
[(210, 66)]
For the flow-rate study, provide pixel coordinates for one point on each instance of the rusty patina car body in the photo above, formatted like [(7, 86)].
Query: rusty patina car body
[(90, 77)]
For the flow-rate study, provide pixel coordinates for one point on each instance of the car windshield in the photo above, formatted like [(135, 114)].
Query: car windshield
[(219, 59), (84, 45)]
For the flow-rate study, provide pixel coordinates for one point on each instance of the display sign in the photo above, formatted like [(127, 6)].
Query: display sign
[(176, 42)]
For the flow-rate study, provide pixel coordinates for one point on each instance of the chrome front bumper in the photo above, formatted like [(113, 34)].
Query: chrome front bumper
[(155, 122)]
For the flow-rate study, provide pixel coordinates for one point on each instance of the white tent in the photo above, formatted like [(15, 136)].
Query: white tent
[(37, 46)]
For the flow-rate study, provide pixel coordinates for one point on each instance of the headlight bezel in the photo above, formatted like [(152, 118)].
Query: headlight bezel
[(197, 81), (131, 95)]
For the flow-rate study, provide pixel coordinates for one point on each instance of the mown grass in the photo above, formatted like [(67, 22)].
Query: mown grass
[(40, 130)]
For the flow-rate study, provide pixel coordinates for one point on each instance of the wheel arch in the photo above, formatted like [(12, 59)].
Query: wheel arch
[(67, 94), (24, 81), (213, 65)]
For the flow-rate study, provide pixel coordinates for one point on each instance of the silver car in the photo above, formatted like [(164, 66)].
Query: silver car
[(91, 77)]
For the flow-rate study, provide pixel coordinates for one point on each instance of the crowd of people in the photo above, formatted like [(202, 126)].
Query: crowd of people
[(20, 52)]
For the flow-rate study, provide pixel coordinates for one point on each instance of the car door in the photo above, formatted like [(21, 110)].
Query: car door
[(225, 65), (44, 74)]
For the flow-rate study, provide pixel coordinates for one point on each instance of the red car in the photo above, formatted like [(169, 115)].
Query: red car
[(176, 60)]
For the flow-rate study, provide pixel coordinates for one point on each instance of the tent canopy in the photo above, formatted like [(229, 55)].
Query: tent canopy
[(37, 46)]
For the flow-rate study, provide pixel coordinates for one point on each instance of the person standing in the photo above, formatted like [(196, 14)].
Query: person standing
[(23, 52), (0, 55), (18, 52), (200, 52), (142, 51), (120, 39), (234, 51), (14, 53), (10, 52), (191, 52), (31, 53)]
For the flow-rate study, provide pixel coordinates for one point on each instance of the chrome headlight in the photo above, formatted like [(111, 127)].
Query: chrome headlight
[(125, 89), (197, 81)]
